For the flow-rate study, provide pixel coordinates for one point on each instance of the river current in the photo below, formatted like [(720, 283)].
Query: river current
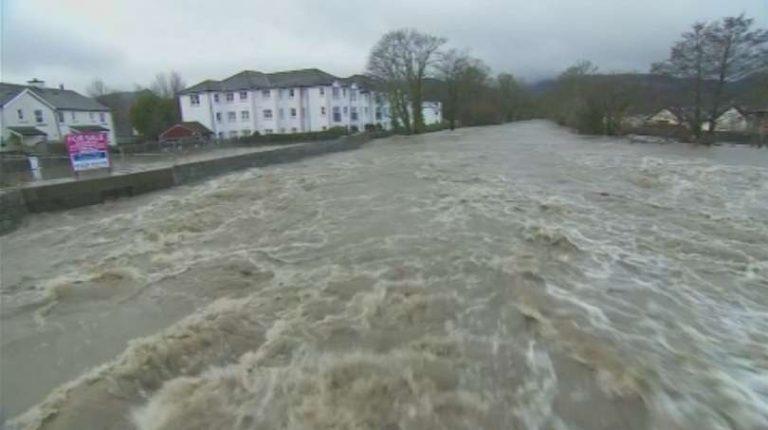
[(506, 277)]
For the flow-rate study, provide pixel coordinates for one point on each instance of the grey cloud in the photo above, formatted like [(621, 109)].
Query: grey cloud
[(531, 38)]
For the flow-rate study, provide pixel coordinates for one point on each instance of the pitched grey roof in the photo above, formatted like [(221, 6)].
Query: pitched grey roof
[(250, 79), (9, 91), (59, 99)]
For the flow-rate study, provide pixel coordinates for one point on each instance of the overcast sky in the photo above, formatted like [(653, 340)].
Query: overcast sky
[(127, 42)]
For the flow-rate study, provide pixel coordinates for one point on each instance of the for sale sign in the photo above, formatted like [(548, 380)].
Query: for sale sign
[(88, 150)]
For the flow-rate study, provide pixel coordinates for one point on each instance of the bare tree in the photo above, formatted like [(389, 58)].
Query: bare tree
[(688, 60), (710, 56), (451, 68), (97, 88), (402, 59), (734, 52), (513, 98), (176, 82), (167, 85)]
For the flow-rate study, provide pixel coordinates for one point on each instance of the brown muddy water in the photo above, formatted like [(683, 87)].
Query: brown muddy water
[(510, 277)]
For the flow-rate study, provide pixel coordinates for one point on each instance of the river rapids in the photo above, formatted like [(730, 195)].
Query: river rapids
[(506, 277)]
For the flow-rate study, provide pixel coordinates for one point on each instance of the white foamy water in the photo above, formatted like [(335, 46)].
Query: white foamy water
[(503, 277)]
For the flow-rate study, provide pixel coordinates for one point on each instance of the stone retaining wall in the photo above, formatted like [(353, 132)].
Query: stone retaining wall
[(17, 203)]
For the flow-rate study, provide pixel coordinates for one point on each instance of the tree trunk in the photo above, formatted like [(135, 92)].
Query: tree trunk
[(719, 89)]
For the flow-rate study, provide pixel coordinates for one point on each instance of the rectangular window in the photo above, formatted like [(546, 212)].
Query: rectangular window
[(243, 95), (267, 113), (102, 117), (245, 115), (322, 91), (265, 94), (345, 111), (335, 93), (230, 97), (245, 132), (353, 113), (293, 130), (353, 95), (218, 116), (233, 133), (91, 116), (38, 116), (74, 117), (216, 98), (231, 116), (336, 114), (322, 110), (343, 92), (268, 131), (281, 93), (61, 116), (378, 113), (20, 113), (194, 99), (293, 112), (325, 128), (221, 135), (291, 93), (282, 130), (281, 113)]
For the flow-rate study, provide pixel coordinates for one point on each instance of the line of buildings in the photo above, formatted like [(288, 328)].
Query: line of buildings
[(298, 101), (730, 119)]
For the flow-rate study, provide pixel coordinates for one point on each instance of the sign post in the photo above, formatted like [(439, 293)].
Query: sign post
[(88, 151)]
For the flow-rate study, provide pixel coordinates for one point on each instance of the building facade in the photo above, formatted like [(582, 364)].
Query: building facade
[(298, 101), (31, 114)]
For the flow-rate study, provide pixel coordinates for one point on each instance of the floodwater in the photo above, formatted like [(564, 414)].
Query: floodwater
[(509, 277)]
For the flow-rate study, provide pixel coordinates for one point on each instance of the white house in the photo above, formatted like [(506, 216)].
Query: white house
[(732, 119), (30, 114), (665, 117), (306, 100)]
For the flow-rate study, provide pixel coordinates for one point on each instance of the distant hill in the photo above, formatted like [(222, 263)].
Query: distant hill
[(655, 91)]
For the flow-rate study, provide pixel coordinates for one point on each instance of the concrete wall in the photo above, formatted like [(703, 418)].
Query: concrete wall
[(12, 210), (75, 193)]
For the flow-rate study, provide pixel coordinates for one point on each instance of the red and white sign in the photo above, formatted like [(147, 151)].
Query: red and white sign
[(89, 150)]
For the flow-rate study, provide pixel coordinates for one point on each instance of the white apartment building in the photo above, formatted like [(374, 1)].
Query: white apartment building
[(295, 101), (31, 114)]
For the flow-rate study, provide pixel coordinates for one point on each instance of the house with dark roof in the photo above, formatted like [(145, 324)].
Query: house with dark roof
[(32, 114), (293, 101), (185, 131)]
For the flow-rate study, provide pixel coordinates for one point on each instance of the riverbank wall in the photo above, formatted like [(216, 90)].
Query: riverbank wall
[(16, 203)]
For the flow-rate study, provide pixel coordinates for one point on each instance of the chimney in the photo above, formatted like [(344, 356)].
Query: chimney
[(36, 83), (61, 86)]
